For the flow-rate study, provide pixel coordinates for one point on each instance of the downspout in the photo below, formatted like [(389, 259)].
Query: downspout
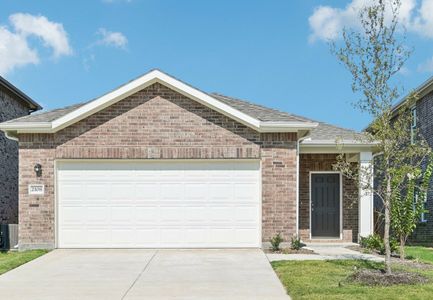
[(298, 142), (10, 136)]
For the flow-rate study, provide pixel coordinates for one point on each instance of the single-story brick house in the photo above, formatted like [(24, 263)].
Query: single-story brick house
[(158, 163)]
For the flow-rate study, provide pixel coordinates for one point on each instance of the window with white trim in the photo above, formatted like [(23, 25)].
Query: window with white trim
[(423, 217), (413, 126)]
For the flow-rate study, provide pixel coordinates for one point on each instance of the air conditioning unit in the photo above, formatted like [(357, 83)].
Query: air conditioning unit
[(8, 236)]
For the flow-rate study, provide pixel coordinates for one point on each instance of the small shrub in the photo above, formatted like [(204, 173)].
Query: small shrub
[(296, 243), (371, 242), (374, 242), (276, 240)]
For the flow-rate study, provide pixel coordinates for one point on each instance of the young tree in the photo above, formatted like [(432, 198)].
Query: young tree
[(408, 205), (374, 53)]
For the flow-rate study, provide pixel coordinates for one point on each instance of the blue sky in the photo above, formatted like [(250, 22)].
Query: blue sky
[(264, 51)]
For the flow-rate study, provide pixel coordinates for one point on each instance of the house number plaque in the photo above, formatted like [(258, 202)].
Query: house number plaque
[(36, 189)]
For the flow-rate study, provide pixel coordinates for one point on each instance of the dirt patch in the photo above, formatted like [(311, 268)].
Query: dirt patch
[(379, 278), (395, 259), (291, 251), (411, 263)]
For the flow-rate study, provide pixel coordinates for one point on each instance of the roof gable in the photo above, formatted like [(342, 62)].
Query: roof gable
[(76, 113), (33, 106)]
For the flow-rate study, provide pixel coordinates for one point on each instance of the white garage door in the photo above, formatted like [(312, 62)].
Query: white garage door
[(161, 204)]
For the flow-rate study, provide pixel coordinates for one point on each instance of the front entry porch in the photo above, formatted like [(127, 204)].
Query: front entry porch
[(332, 207)]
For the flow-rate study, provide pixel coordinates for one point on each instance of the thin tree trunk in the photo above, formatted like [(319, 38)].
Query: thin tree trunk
[(402, 243), (387, 226)]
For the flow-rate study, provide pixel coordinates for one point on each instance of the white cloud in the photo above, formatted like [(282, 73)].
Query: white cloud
[(327, 22), (426, 66), (87, 61), (15, 50), (110, 38), (423, 21), (51, 33)]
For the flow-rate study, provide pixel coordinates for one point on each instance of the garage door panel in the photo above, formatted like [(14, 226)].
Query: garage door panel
[(122, 191), (149, 214), (196, 235), (147, 237), (171, 190), (95, 214), (245, 192), (195, 214), (145, 191), (122, 215), (99, 237), (159, 204), (98, 191), (72, 215), (246, 214)]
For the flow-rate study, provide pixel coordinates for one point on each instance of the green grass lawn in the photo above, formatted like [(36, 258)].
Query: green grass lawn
[(328, 280), (423, 254), (10, 260)]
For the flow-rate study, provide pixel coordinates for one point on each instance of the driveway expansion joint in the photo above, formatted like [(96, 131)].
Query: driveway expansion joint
[(139, 275)]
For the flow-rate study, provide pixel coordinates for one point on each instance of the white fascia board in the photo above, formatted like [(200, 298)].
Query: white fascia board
[(335, 148), (286, 126), (340, 142), (27, 126), (143, 82), (104, 101)]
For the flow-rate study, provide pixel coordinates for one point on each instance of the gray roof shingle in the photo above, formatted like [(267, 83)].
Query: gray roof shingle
[(328, 132), (46, 116), (259, 112), (323, 132)]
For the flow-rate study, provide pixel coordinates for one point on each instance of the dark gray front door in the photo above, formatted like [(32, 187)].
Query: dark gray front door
[(325, 205)]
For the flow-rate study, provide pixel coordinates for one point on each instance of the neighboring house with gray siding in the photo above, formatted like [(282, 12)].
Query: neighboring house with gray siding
[(13, 104)]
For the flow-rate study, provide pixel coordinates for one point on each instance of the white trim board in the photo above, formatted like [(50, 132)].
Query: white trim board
[(142, 82)]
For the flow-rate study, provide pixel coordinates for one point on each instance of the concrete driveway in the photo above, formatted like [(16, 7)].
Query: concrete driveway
[(144, 274)]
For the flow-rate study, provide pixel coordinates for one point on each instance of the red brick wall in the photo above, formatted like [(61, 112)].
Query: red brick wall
[(278, 186), (324, 162), (157, 123)]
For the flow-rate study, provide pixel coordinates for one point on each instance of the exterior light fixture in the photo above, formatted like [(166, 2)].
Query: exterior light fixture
[(38, 170)]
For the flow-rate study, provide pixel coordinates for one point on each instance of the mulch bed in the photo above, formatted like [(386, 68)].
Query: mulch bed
[(291, 251), (378, 277)]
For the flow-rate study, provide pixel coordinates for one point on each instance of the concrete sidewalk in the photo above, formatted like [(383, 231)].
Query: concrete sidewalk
[(144, 274), (326, 252)]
